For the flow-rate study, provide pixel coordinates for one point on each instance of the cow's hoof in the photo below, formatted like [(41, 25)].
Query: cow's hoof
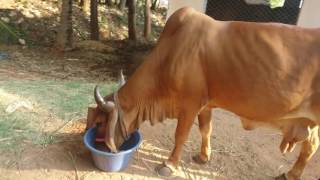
[(164, 170), (197, 159), (281, 177)]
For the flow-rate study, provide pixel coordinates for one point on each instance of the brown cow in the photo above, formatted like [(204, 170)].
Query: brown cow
[(267, 73)]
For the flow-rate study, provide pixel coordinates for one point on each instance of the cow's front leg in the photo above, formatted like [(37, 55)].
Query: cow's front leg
[(181, 134), (205, 126)]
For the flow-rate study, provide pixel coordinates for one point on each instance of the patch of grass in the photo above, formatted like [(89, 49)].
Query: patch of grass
[(45, 139), (64, 100), (15, 128)]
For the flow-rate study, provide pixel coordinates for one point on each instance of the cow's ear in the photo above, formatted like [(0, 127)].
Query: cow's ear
[(92, 116), (121, 79)]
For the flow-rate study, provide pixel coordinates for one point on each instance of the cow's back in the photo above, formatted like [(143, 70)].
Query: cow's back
[(261, 70)]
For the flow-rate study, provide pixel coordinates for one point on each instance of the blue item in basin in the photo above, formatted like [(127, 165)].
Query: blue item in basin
[(108, 161)]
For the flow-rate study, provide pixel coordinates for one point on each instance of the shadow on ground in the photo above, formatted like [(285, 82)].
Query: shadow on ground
[(69, 157)]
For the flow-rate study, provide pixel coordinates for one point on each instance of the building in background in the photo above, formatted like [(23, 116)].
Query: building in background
[(310, 14), (300, 12)]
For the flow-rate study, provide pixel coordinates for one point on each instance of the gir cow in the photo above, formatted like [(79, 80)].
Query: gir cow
[(266, 73)]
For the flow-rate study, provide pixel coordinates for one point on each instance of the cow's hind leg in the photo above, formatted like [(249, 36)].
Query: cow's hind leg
[(308, 148), (205, 126)]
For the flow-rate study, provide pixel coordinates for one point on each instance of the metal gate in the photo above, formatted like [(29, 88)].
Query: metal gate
[(239, 10)]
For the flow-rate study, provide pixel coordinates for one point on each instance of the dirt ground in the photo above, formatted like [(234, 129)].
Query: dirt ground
[(236, 153)]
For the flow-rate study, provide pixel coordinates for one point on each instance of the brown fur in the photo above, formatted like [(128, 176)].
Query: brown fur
[(266, 73)]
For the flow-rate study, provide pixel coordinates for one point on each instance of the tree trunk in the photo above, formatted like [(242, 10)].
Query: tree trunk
[(132, 20), (85, 5), (122, 4), (108, 2), (64, 36), (147, 20), (81, 3), (94, 27), (154, 5)]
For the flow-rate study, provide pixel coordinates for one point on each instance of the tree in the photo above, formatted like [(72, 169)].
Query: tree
[(85, 5), (147, 20), (132, 20), (94, 27), (108, 2), (154, 4), (64, 36), (122, 4)]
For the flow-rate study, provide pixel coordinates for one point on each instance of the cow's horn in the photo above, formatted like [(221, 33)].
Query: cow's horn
[(102, 104), (122, 81)]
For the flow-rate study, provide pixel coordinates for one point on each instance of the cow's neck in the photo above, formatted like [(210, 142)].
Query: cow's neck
[(140, 98)]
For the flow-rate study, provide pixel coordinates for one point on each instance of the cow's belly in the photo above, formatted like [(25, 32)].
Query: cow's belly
[(303, 113), (261, 103), (257, 109)]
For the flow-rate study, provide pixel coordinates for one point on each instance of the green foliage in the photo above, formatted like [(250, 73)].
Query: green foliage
[(9, 35)]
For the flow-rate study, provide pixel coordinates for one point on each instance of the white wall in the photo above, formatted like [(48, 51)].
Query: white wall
[(310, 14), (199, 5)]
